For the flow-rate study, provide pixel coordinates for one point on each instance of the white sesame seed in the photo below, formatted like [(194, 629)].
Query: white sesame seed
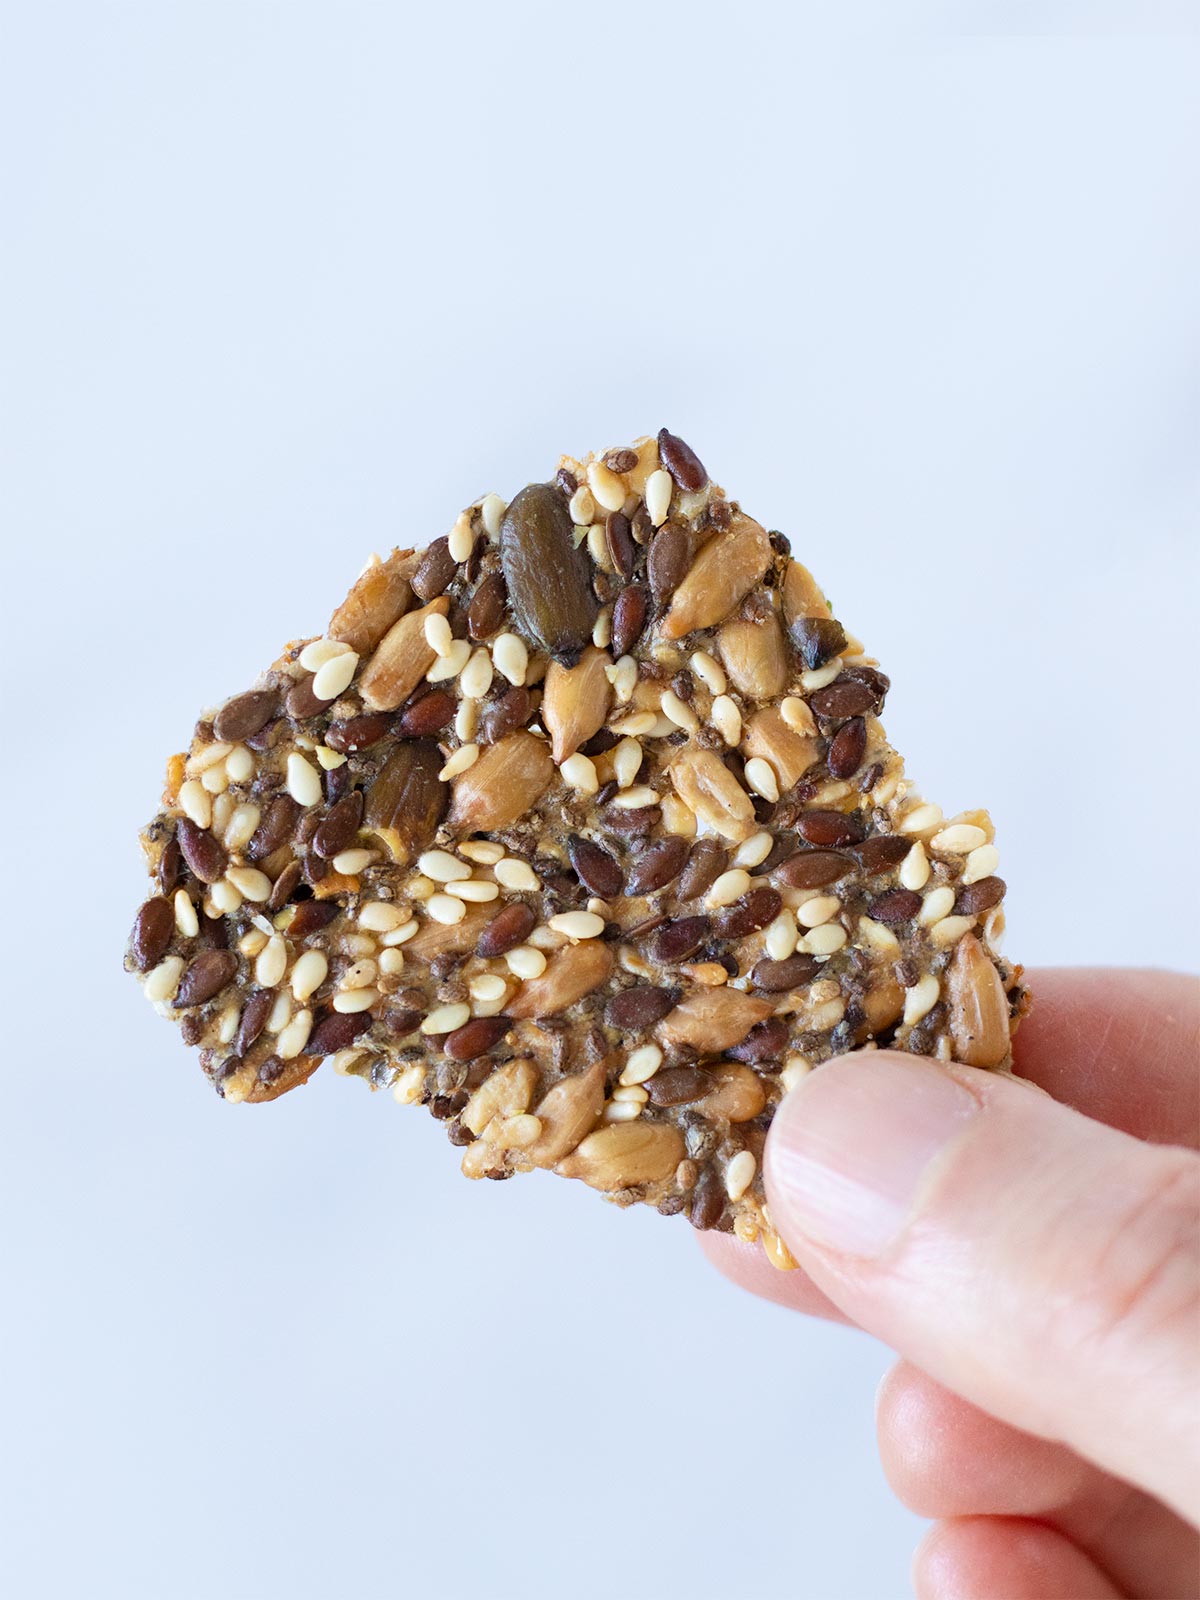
[(476, 678), (981, 863), (186, 919), (442, 867), (250, 883), (739, 1174), (486, 851), (476, 891), (623, 675), (342, 1060), (461, 540), (602, 632), (402, 934), (518, 875), (281, 1012), (920, 1000), (950, 930), (923, 818), (351, 862), (818, 910), (659, 488), (259, 920), (578, 924), (606, 487), (678, 818), (959, 839), (636, 724), (679, 712), (914, 869), (730, 886), (630, 1094), (633, 799), (761, 777), (451, 664), (525, 962), (598, 546), (820, 676), (309, 974), (581, 507), (781, 936), (446, 909), (391, 962), (626, 762), (752, 852), (492, 511), (727, 719), (464, 757), (545, 938), (419, 887), (223, 808), (329, 760), (214, 779), (271, 964), (620, 1111), (444, 1019), (510, 657), (466, 720), (410, 1085), (710, 672), (938, 903), (641, 1065), (797, 715), (823, 941), (438, 633), (360, 976), (225, 897), (294, 1037), (350, 1001), (878, 936), (795, 1068), (240, 828), (211, 755), (239, 764), (315, 654), (162, 981), (823, 1017), (335, 676), (379, 916), (580, 773), (303, 781), (487, 986), (227, 1025), (196, 803)]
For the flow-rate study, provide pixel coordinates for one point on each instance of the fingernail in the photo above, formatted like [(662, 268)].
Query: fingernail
[(850, 1146)]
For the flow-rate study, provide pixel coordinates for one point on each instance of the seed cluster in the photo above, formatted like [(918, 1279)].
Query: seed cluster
[(579, 827)]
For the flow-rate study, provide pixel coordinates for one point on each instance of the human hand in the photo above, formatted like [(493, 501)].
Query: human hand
[(1039, 1274)]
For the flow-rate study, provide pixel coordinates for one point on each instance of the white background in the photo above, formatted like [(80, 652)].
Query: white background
[(289, 283)]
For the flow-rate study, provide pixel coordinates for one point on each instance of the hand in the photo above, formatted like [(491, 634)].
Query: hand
[(1039, 1273)]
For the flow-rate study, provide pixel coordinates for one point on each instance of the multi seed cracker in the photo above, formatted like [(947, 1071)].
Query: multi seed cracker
[(578, 827)]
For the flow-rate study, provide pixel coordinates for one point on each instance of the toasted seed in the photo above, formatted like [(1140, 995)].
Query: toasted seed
[(379, 597), (667, 562), (245, 714), (775, 976), (571, 973), (829, 828), (436, 571), (726, 569), (485, 613), (979, 896), (206, 975), (595, 868), (153, 930), (204, 853), (681, 461), (506, 930), (676, 941), (619, 543), (340, 826), (475, 1038), (575, 701), (549, 580), (981, 863), (846, 697), (407, 799), (678, 1086), (402, 658), (767, 1040), (623, 1155), (640, 1007), (659, 489), (752, 912), (754, 655), (658, 866), (881, 853), (813, 913), (428, 715), (897, 905), (628, 618), (738, 1095), (978, 1006), (818, 639), (847, 749), (707, 787), (578, 924), (502, 785)]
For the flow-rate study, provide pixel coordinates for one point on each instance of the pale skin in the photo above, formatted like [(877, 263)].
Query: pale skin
[(1041, 1284)]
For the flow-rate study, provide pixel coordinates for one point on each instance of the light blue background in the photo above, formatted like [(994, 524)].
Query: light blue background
[(287, 283)]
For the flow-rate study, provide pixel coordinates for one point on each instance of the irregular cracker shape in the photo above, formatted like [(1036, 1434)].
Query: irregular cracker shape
[(597, 913)]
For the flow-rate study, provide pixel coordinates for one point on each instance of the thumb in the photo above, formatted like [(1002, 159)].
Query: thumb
[(1041, 1265)]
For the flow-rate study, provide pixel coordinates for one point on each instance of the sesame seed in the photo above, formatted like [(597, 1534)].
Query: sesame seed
[(438, 634), (981, 863), (823, 941), (620, 1111), (679, 712), (342, 1060), (402, 934), (225, 897), (581, 507), (271, 964), (761, 778), (281, 1012), (391, 962), (461, 540), (781, 936), (578, 924), (381, 917), (464, 757), (476, 891), (626, 762), (446, 909), (240, 828), (623, 675), (476, 678), (466, 720), (606, 487), (739, 1174), (959, 839), (921, 998), (878, 936), (444, 1019), (196, 803), (485, 851), (360, 976), (727, 888), (914, 869), (525, 962), (210, 756), (451, 664), (580, 773), (938, 903), (633, 799), (602, 632), (239, 764), (510, 657), (492, 512), (250, 883), (598, 546), (633, 726), (641, 1065), (309, 974), (818, 910), (303, 781), (319, 651), (950, 930), (294, 1037), (186, 919), (923, 818), (442, 867), (351, 862), (410, 1085), (794, 1069), (487, 986), (659, 487), (329, 760), (518, 875), (820, 677), (630, 1094), (709, 671), (727, 719), (163, 980), (335, 677), (350, 1001), (797, 715), (752, 852)]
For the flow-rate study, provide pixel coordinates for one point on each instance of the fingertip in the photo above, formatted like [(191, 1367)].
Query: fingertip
[(982, 1558)]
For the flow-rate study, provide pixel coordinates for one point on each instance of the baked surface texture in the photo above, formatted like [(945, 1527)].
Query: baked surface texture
[(580, 828)]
